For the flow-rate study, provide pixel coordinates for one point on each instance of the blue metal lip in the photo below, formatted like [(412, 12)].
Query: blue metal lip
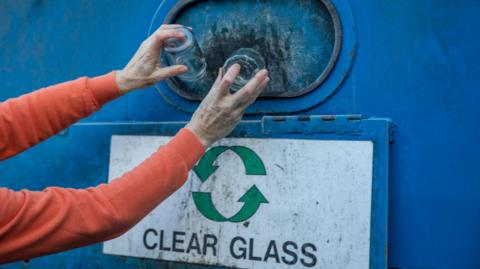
[(181, 6)]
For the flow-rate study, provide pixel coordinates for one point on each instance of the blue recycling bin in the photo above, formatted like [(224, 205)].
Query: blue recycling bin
[(412, 62)]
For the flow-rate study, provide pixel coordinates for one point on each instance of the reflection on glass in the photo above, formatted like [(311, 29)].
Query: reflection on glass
[(250, 62), (186, 52)]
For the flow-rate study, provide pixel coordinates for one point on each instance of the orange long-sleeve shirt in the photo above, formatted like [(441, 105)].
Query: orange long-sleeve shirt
[(35, 223)]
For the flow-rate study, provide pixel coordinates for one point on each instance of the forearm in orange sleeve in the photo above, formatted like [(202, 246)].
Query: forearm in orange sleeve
[(38, 223), (31, 118)]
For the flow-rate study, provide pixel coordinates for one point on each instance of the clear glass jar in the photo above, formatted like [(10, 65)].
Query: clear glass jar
[(186, 52), (250, 62)]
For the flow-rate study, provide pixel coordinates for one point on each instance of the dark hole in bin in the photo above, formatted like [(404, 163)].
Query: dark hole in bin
[(299, 40)]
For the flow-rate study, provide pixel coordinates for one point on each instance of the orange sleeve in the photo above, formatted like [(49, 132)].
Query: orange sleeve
[(38, 223), (34, 117)]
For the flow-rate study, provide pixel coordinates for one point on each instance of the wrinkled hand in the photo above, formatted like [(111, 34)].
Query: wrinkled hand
[(220, 111), (144, 68)]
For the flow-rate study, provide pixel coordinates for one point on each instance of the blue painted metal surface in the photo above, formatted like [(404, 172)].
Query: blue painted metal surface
[(89, 145), (416, 62)]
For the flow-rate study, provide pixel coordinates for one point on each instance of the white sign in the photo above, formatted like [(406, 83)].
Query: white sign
[(258, 203)]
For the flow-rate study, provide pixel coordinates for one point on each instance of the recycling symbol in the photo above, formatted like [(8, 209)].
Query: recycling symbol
[(251, 200)]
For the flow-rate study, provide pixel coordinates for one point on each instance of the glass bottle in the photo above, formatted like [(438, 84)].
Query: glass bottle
[(186, 52), (250, 62)]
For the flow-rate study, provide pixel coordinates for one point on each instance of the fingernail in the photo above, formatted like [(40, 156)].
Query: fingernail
[(263, 72)]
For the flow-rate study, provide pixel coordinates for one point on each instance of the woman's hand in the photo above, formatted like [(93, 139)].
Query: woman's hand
[(220, 111), (144, 68)]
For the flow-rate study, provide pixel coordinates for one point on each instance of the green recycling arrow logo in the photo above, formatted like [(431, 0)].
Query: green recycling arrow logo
[(251, 200)]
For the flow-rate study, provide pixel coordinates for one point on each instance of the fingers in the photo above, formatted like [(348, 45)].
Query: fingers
[(154, 43), (252, 90), (169, 26), (262, 87), (219, 78), (161, 35), (259, 90), (172, 26), (167, 72), (228, 79), (165, 29), (215, 91)]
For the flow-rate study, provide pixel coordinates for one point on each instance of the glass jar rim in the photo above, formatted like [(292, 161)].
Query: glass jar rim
[(169, 43)]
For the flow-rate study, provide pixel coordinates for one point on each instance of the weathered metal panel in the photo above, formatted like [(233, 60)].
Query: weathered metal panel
[(291, 204)]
